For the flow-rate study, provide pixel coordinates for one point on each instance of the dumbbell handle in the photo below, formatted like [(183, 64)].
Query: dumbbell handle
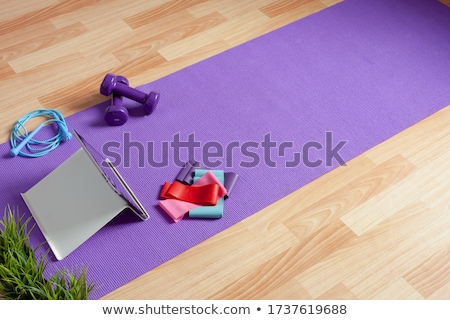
[(131, 93), (116, 99)]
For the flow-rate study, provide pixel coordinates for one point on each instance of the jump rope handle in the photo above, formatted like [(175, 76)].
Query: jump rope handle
[(15, 151)]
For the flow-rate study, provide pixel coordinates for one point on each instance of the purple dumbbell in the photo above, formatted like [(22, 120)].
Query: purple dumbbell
[(112, 84), (117, 114)]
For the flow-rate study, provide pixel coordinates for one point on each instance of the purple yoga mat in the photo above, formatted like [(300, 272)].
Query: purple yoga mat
[(362, 70)]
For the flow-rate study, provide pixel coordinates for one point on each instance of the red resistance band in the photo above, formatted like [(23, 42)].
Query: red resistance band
[(206, 195)]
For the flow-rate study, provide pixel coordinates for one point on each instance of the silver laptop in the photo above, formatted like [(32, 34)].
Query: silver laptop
[(78, 198)]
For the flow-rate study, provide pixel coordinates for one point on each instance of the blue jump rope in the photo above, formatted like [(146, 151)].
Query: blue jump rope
[(37, 148)]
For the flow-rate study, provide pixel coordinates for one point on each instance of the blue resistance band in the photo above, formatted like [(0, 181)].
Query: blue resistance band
[(37, 148)]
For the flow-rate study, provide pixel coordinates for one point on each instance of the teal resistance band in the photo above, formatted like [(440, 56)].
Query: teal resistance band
[(37, 148)]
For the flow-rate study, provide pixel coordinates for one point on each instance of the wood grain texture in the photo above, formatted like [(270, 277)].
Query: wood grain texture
[(378, 228)]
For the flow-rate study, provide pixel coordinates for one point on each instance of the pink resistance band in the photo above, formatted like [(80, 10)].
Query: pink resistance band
[(176, 209)]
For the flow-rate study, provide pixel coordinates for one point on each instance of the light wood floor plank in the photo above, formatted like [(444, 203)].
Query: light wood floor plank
[(45, 40), (241, 8), (116, 10), (338, 292), (330, 3), (378, 256), (291, 290), (409, 250), (174, 35), (42, 14), (441, 294), (5, 70), (152, 14), (10, 9), (432, 275), (412, 141), (222, 31), (399, 289), (350, 197), (373, 211), (26, 34), (280, 7), (94, 40), (279, 270)]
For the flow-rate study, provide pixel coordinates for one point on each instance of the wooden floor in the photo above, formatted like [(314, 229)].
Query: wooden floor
[(376, 229)]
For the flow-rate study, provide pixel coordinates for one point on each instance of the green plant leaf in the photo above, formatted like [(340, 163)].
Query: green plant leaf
[(22, 273)]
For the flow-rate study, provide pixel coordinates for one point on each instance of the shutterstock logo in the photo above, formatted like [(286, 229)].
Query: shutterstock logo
[(215, 154)]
